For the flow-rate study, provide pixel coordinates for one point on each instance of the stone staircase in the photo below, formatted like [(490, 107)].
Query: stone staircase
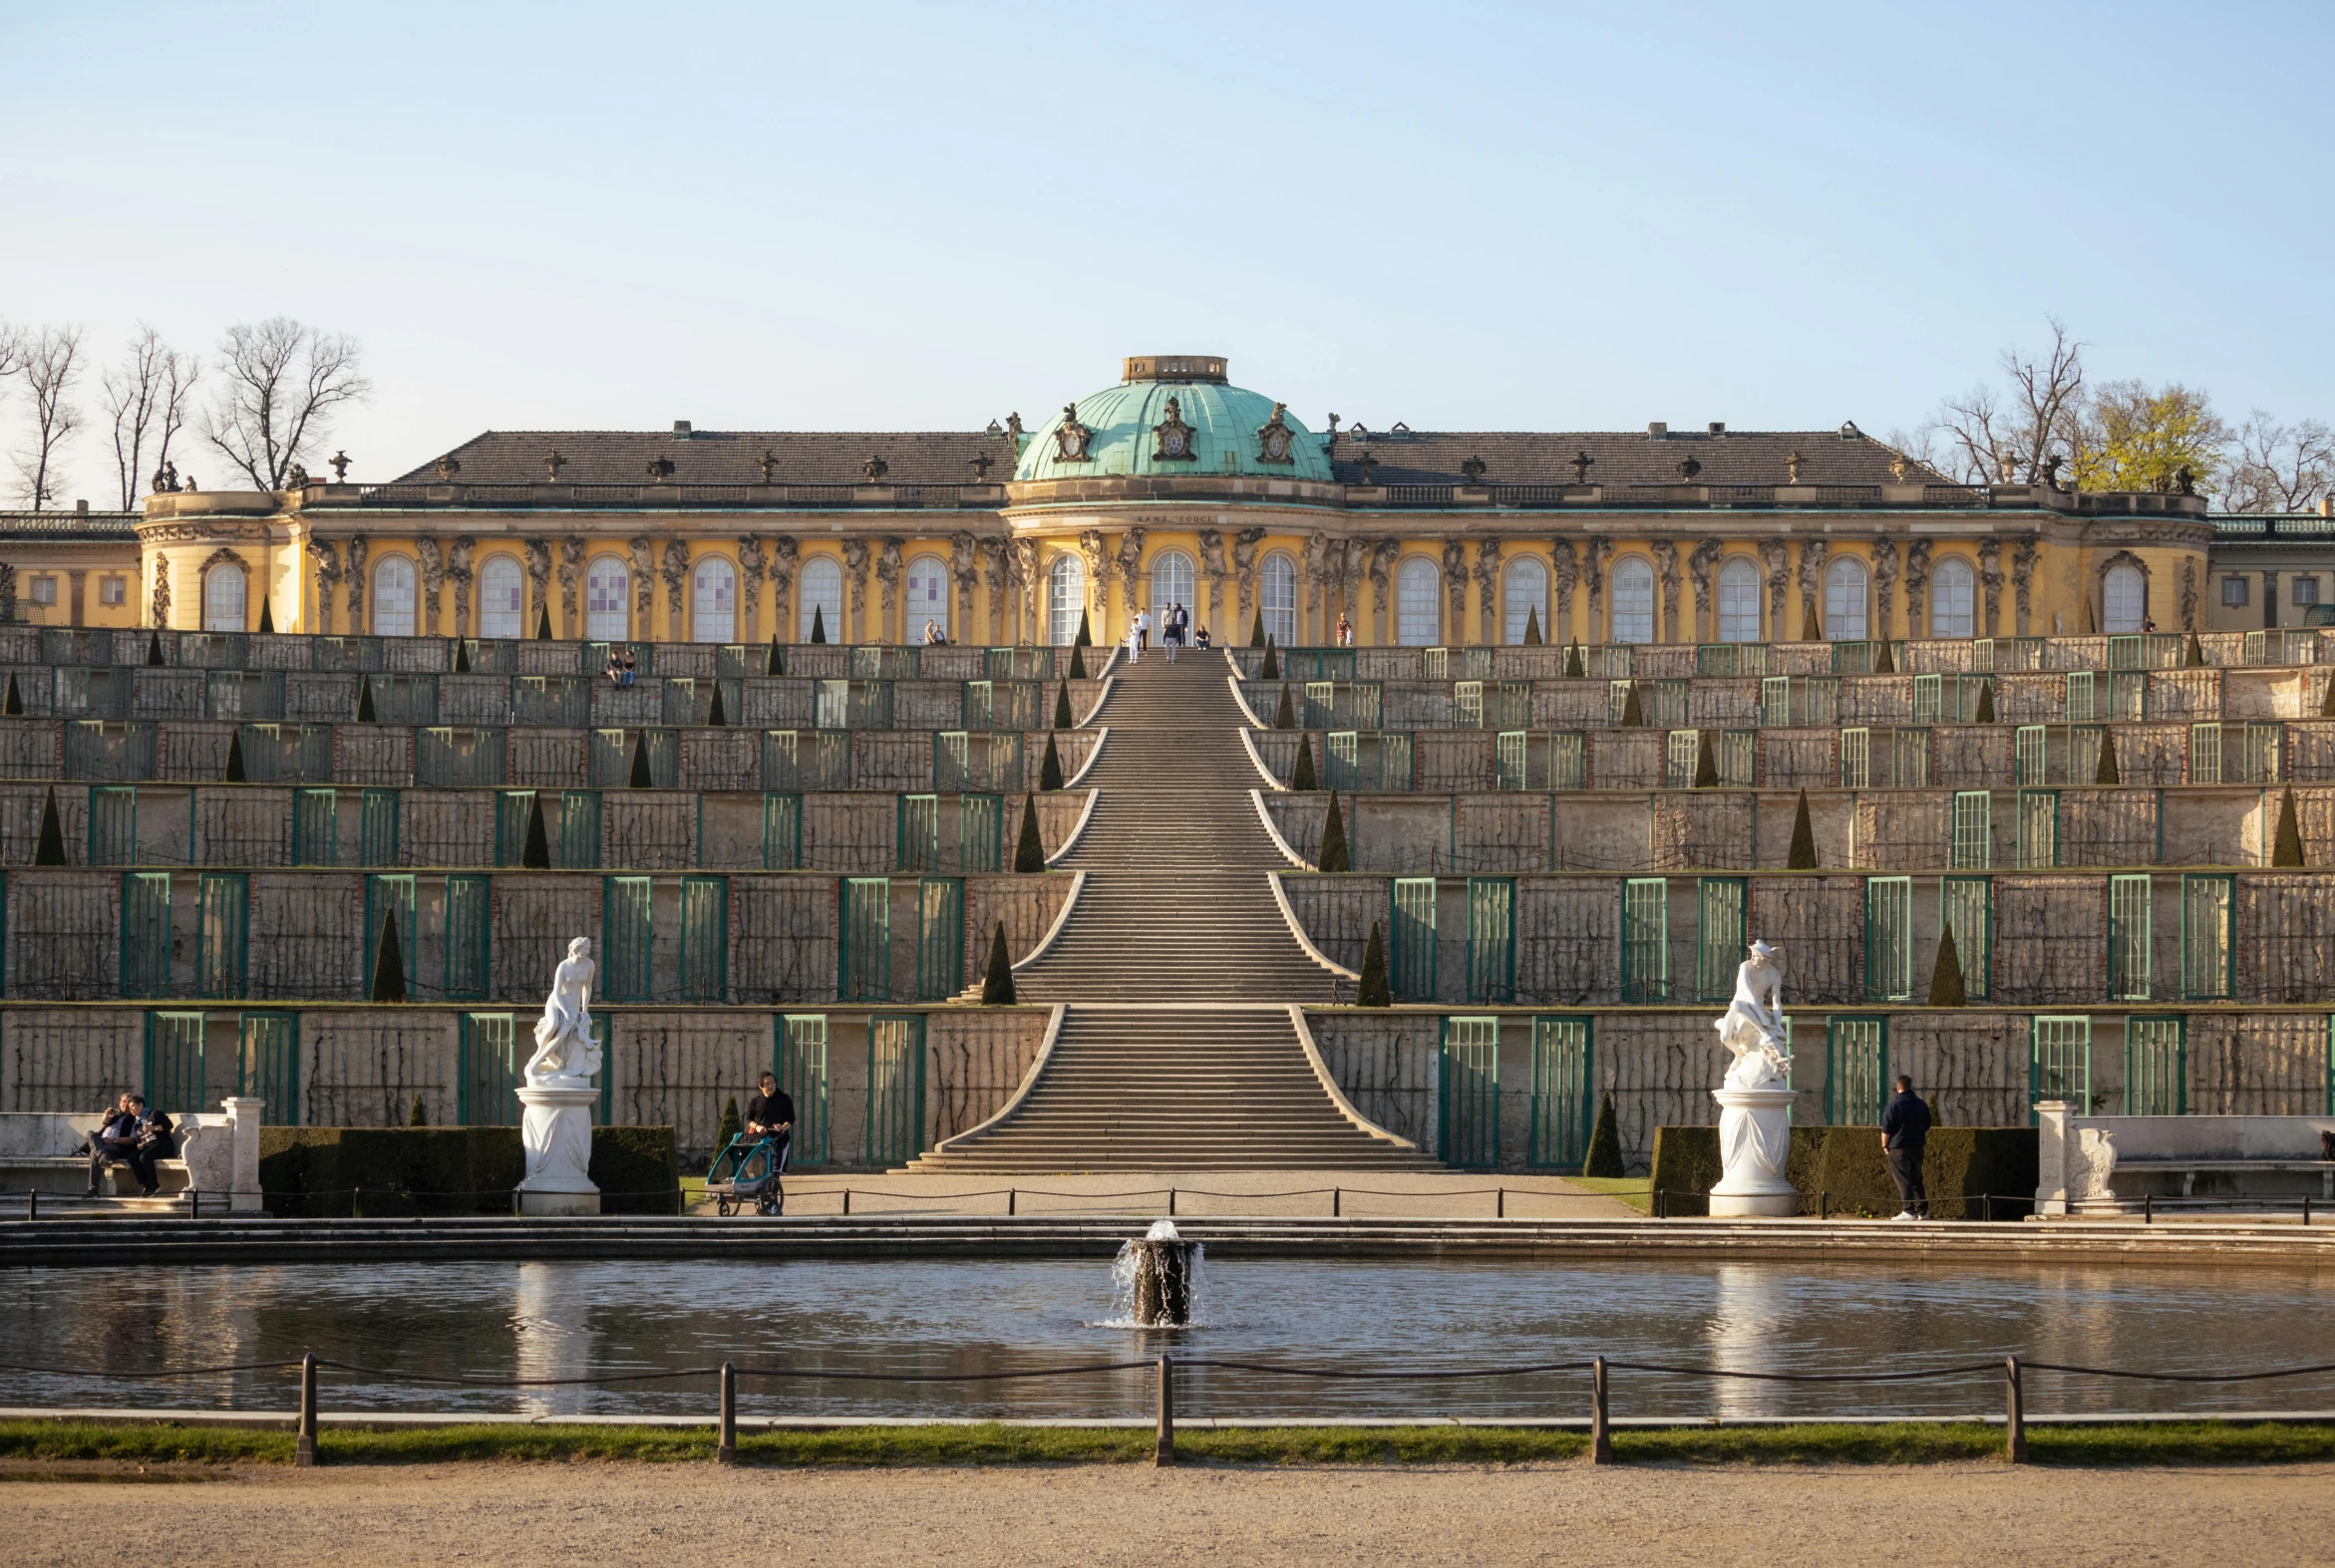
[(1176, 967)]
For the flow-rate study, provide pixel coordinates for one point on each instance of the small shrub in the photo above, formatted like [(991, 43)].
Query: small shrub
[(419, 1114), (730, 1126), (1803, 854), (50, 850), (1028, 853), (1603, 1158), (2287, 850), (1302, 776), (1285, 715), (1372, 989), (997, 984), (1334, 855), (1049, 766)]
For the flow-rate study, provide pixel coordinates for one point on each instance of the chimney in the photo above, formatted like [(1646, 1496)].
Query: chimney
[(2327, 506), (82, 507), (1656, 429), (681, 430), (1718, 427)]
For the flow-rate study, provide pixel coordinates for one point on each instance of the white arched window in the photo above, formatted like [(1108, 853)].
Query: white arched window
[(819, 592), (1524, 591), (1280, 600), (927, 598), (1739, 601), (1417, 615), (2124, 596), (1172, 584), (713, 602), (1845, 600), (502, 601), (224, 596), (607, 594), (1950, 600), (1066, 599), (1633, 602), (392, 597)]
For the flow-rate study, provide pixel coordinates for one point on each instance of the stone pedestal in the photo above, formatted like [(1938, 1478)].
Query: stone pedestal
[(556, 1133), (1755, 1138)]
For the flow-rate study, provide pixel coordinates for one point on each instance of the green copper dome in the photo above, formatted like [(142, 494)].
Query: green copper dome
[(1131, 429)]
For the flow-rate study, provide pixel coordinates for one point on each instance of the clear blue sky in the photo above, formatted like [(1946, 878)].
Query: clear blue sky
[(878, 217)]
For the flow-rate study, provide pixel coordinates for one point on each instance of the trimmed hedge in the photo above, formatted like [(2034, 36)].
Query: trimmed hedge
[(324, 1172), (1959, 1165)]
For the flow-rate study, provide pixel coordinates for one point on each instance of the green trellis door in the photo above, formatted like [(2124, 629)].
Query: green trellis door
[(705, 939), (782, 833), (113, 825), (222, 928), (468, 900), (2207, 960), (267, 1066), (1966, 906), (1562, 1082), (1889, 938), (1722, 904), (174, 1072), (940, 938), (1856, 1070), (2157, 1065), (488, 1073), (2059, 1063), (384, 893), (864, 957), (895, 1089), (799, 1058), (981, 832), (1412, 927), (1491, 939), (146, 934), (1468, 1094), (627, 939), (1645, 939)]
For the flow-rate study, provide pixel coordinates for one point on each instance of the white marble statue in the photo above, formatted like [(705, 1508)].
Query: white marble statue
[(1755, 1099), (1751, 1029), (556, 1129), (566, 1055)]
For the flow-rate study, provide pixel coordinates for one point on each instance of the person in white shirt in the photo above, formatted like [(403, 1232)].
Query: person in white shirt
[(1143, 629), (1135, 646)]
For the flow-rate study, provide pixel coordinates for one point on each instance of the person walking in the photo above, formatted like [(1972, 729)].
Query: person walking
[(1904, 1133), (1143, 629)]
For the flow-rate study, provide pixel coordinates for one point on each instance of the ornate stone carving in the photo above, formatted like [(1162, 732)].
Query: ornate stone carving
[(786, 550), (1916, 585), (432, 556), (675, 575), (1776, 556), (1245, 545), (856, 580), (1357, 564), (1071, 439), (1565, 567), (750, 565), (2189, 593), (997, 571), (1455, 576), (1812, 567), (1315, 562), (571, 566), (538, 554), (360, 548), (2022, 584), (1172, 438), (458, 573), (1990, 579), (1211, 541), (888, 578), (1487, 590), (964, 568), (327, 558), (1698, 572), (159, 609), (1022, 566), (1382, 557), (1884, 588), (644, 586), (1666, 571), (1095, 551), (1594, 549), (1129, 561), (1275, 439)]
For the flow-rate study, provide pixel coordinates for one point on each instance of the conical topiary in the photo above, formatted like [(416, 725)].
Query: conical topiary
[(819, 623), (1803, 854), (461, 656), (537, 853), (1946, 977), (1062, 720), (233, 773), (266, 616), (2105, 770), (1573, 662), (1301, 774), (1533, 627), (1256, 629), (388, 964), (1372, 989), (1603, 1158), (543, 623), (715, 716), (366, 713), (642, 777), (1078, 662), (1707, 764), (1086, 636), (2195, 658), (731, 1123), (1029, 850), (418, 1115), (1286, 717), (2090, 623), (1882, 663), (1049, 766), (1270, 669), (1985, 714), (2326, 697), (776, 664), (1333, 856), (14, 706), (997, 982), (1810, 628), (1633, 715), (2288, 849), (50, 850), (153, 648)]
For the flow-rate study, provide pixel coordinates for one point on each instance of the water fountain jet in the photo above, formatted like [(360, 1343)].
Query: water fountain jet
[(1160, 1276)]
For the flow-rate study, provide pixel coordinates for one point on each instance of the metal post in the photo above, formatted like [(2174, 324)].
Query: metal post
[(193, 1203), (1661, 1207), (2014, 1414), (726, 1445), (846, 1200), (1334, 1206), (305, 1442), (2307, 1211), (1164, 1447), (1986, 1207), (1600, 1438), (2147, 1208), (1500, 1203), (356, 1202), (1171, 1202), (1823, 1204), (1009, 1202)]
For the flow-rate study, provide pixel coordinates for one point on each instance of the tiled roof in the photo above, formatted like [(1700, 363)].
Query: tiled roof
[(1620, 458), (618, 456)]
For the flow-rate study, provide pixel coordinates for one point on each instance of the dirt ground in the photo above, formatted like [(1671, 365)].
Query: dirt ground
[(1106, 1515)]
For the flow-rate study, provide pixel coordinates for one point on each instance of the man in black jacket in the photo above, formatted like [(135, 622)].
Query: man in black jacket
[(1905, 1132)]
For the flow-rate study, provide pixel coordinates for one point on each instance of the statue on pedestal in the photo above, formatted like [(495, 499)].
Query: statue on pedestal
[(1754, 1099), (556, 1129)]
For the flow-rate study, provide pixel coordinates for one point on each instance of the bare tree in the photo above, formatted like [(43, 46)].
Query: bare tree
[(146, 395), (2005, 438), (49, 361), (2280, 468), (282, 382)]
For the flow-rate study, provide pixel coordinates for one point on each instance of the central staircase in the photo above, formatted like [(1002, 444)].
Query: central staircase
[(1177, 1049)]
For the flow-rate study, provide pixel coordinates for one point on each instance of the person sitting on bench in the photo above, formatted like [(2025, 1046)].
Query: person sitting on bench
[(158, 1139), (114, 1140)]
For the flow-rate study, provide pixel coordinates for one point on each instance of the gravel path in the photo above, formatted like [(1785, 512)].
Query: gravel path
[(600, 1514)]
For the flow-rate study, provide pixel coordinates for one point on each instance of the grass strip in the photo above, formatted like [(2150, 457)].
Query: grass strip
[(1636, 1192), (1910, 1442)]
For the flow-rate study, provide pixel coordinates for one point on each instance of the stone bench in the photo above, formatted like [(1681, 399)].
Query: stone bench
[(2110, 1163), (2145, 1176), (218, 1155)]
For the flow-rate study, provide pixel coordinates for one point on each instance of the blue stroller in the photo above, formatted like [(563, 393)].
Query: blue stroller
[(747, 1173)]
